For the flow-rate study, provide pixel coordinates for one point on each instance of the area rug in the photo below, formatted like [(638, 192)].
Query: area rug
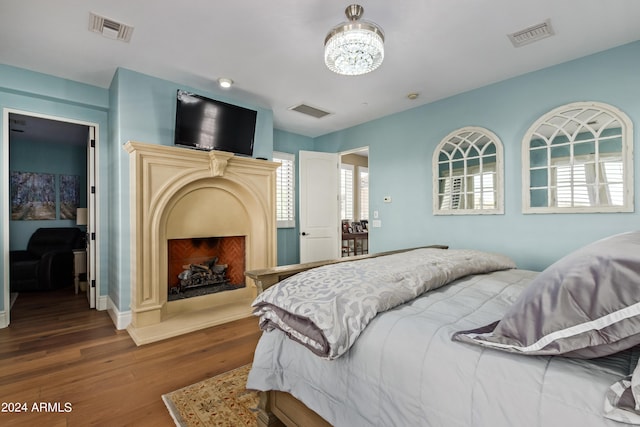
[(219, 401)]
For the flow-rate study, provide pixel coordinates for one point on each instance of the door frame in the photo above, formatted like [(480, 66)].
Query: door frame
[(5, 313), (355, 151)]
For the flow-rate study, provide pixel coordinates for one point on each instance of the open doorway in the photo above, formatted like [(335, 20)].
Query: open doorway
[(354, 202), (48, 176)]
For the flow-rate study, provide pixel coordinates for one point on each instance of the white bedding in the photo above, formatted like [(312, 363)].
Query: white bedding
[(404, 370)]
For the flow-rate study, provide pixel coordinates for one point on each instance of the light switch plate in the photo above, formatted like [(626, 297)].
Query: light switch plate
[(376, 223)]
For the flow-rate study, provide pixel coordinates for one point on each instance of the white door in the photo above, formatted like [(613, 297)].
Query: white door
[(319, 206), (91, 218)]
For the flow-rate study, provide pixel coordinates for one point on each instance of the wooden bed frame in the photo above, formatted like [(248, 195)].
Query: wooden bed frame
[(277, 408)]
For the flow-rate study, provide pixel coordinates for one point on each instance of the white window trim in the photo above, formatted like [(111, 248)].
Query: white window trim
[(627, 161), (499, 184), (291, 222)]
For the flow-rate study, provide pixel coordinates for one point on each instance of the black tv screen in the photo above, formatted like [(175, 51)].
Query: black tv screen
[(207, 124)]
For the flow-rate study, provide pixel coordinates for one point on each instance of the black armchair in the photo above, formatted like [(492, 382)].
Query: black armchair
[(48, 261)]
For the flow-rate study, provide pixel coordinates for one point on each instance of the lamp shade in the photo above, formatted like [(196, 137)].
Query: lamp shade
[(81, 216)]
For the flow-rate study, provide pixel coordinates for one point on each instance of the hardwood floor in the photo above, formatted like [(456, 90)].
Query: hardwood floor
[(59, 353)]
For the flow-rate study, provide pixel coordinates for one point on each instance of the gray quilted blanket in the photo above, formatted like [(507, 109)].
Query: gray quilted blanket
[(404, 369), (327, 308)]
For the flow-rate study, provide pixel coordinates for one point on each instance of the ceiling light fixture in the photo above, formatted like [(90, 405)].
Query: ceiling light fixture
[(355, 47), (225, 83)]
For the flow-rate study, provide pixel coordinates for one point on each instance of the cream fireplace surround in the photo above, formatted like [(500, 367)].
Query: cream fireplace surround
[(183, 193)]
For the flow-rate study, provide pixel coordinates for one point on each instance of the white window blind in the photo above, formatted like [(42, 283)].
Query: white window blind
[(484, 191), (572, 189), (346, 191), (451, 193), (285, 190), (480, 191), (580, 186), (364, 192), (614, 177)]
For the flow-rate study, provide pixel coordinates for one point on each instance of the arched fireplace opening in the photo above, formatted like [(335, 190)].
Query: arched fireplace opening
[(202, 266)]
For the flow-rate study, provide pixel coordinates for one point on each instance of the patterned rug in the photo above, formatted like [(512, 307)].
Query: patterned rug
[(219, 401)]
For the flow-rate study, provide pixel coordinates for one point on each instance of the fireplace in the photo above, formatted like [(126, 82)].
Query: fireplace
[(179, 195), (201, 266)]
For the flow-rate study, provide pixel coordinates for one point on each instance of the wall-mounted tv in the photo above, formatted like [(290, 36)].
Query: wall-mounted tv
[(207, 124)]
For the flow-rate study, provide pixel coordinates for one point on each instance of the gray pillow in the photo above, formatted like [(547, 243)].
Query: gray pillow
[(585, 305)]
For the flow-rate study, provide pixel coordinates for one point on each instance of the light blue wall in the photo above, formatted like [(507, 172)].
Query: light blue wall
[(401, 147), (31, 92), (143, 110), (146, 109), (288, 240), (45, 157)]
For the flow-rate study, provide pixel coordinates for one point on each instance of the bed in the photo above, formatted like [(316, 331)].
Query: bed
[(441, 350)]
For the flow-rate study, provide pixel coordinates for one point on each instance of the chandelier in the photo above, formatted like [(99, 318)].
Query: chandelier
[(354, 47)]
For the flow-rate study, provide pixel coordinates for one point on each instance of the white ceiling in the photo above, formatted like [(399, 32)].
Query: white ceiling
[(273, 50)]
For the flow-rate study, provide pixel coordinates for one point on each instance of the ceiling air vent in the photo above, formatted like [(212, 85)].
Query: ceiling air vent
[(109, 28), (532, 34), (310, 111)]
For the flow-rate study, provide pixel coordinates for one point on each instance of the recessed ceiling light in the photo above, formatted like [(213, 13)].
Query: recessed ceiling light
[(412, 96), (225, 83)]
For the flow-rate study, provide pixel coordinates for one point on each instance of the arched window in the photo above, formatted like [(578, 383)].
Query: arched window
[(578, 158), (467, 173)]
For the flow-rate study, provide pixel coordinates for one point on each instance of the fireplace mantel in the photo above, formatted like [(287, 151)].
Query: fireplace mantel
[(184, 193)]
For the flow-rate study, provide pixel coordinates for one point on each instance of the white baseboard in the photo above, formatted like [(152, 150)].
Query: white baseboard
[(121, 319), (102, 303), (4, 314)]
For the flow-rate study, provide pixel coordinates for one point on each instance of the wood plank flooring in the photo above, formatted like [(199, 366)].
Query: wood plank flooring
[(60, 354)]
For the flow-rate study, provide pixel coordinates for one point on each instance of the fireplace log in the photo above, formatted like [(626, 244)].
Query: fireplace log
[(198, 275)]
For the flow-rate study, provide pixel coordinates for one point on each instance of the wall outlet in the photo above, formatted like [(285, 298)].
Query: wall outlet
[(387, 199), (376, 223)]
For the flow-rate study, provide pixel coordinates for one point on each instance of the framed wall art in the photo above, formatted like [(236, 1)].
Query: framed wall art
[(69, 196), (33, 196)]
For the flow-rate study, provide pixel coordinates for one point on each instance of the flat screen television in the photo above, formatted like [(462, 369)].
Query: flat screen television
[(208, 124)]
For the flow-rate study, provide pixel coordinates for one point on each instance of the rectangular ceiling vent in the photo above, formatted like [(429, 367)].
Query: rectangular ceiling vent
[(310, 111), (109, 28), (532, 34)]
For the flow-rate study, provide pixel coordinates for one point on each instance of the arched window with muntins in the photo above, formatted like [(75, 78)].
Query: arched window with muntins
[(468, 173), (578, 158)]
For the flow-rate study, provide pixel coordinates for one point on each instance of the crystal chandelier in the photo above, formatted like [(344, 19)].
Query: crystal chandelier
[(354, 47)]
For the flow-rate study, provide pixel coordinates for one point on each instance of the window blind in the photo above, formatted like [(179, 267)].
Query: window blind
[(285, 190), (364, 192), (346, 191)]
